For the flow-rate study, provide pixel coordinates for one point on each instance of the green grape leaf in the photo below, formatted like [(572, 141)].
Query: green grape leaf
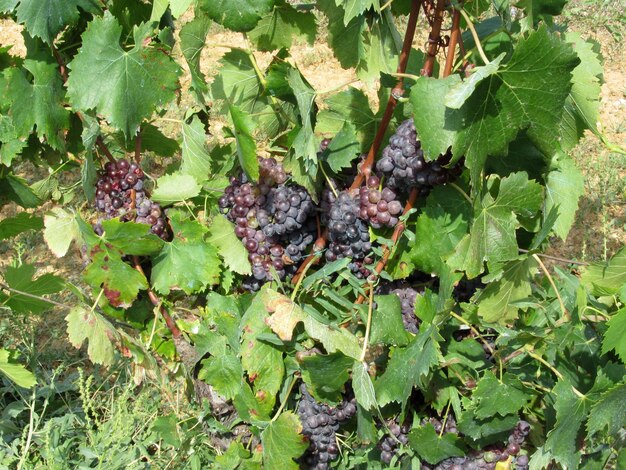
[(283, 442), (583, 103), (493, 396), (237, 15), (304, 143), (196, 159), (46, 18), (107, 270), (7, 6), (347, 41), (192, 41), (606, 278), (14, 188), (237, 82), (571, 411), (45, 95), (22, 279), (363, 387), (440, 227), (492, 234), (408, 367), (224, 373), (222, 236), (564, 187), (485, 430), (279, 29), (387, 326), (84, 324), (354, 8), (614, 337), (609, 411), (434, 448), (131, 238), (246, 145), (496, 302), (349, 106), (177, 7), (132, 83), (325, 375), (16, 372), (286, 315), (22, 222), (176, 187), (61, 229), (343, 148), (262, 362), (188, 262), (11, 145), (381, 47)]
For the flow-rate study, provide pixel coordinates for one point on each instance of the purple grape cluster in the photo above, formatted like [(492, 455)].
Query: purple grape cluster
[(378, 207), (120, 193), (273, 220), (320, 422), (348, 235), (405, 168), (388, 445), (408, 296)]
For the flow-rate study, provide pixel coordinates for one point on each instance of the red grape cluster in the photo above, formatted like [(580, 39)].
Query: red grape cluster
[(378, 207), (120, 193)]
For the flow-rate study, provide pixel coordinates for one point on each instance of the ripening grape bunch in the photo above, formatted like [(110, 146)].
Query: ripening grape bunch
[(320, 423), (120, 193)]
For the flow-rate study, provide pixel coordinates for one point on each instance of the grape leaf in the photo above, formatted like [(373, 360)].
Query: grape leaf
[(84, 324), (485, 430), (493, 396), (281, 27), (46, 18), (283, 442), (192, 41), (440, 227), (16, 372), (61, 229), (11, 145), (325, 375), (196, 160), (286, 315), (237, 82), (408, 367), (564, 187), (496, 303), (609, 411), (246, 145), (177, 7), (237, 15), (262, 362), (131, 238), (45, 95), (21, 279), (363, 386), (107, 270), (606, 278), (583, 103), (343, 148), (187, 262), (387, 326), (131, 83), (354, 8), (492, 234), (381, 47), (434, 448), (614, 337), (224, 373), (14, 188), (304, 142), (345, 40), (175, 188), (22, 222), (222, 236), (571, 411)]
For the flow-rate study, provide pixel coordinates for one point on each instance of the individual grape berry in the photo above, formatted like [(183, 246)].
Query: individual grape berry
[(378, 207), (271, 172), (405, 168)]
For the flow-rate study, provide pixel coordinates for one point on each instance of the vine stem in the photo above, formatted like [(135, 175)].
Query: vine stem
[(559, 376), (454, 39), (367, 164), (33, 296), (473, 330), (556, 258), (470, 25), (566, 314), (463, 193), (368, 326), (284, 402), (433, 40)]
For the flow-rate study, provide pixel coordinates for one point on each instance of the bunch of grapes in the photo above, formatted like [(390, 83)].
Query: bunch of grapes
[(378, 207), (273, 220), (404, 165), (390, 442), (348, 235), (120, 193), (319, 424)]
